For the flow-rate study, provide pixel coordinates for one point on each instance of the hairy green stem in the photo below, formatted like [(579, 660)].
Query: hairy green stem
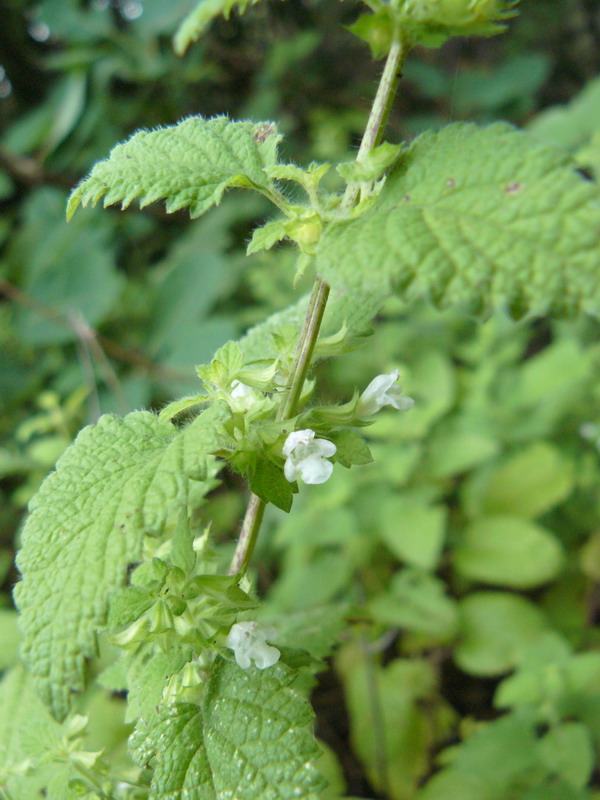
[(382, 104), (248, 534), (318, 300)]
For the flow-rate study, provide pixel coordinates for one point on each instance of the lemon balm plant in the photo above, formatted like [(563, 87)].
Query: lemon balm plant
[(114, 562)]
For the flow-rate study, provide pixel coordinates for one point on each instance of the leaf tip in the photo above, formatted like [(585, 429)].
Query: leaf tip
[(73, 204)]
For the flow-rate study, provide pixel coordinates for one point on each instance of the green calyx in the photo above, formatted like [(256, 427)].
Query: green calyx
[(429, 22)]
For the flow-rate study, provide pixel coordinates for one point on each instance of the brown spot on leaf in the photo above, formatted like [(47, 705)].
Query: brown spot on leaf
[(263, 132), (407, 198), (450, 183), (513, 188)]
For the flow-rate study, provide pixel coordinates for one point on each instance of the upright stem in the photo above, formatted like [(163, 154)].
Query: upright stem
[(378, 117), (248, 534), (318, 300)]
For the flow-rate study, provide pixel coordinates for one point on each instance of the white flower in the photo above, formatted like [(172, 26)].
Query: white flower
[(306, 457), (243, 397), (239, 389), (382, 392), (248, 642)]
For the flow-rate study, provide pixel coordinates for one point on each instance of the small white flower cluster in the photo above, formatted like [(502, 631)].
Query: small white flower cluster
[(307, 457), (248, 640)]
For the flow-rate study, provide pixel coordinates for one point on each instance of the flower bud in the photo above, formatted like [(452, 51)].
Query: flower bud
[(383, 391)]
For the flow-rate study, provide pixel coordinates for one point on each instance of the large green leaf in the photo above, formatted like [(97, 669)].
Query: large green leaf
[(121, 480), (480, 218), (508, 551), (249, 738), (190, 165), (526, 484), (19, 704), (25, 724)]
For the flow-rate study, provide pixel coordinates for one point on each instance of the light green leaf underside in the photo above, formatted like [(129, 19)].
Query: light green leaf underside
[(190, 165), (356, 310), (21, 707), (200, 18), (249, 739), (27, 730), (121, 480), (479, 218)]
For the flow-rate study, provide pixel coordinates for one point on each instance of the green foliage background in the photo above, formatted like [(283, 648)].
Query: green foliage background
[(467, 556)]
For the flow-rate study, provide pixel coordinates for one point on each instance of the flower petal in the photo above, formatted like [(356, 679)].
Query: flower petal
[(265, 656), (315, 469), (326, 448), (290, 470), (297, 438), (242, 658)]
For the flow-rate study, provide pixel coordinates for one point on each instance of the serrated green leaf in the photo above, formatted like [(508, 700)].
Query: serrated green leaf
[(182, 548), (200, 18), (351, 449), (249, 738), (19, 703), (508, 551), (202, 437), (182, 404), (476, 218), (152, 574), (148, 672), (225, 365), (120, 481), (190, 165), (270, 484), (224, 589), (377, 30), (22, 713), (265, 237), (126, 606)]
